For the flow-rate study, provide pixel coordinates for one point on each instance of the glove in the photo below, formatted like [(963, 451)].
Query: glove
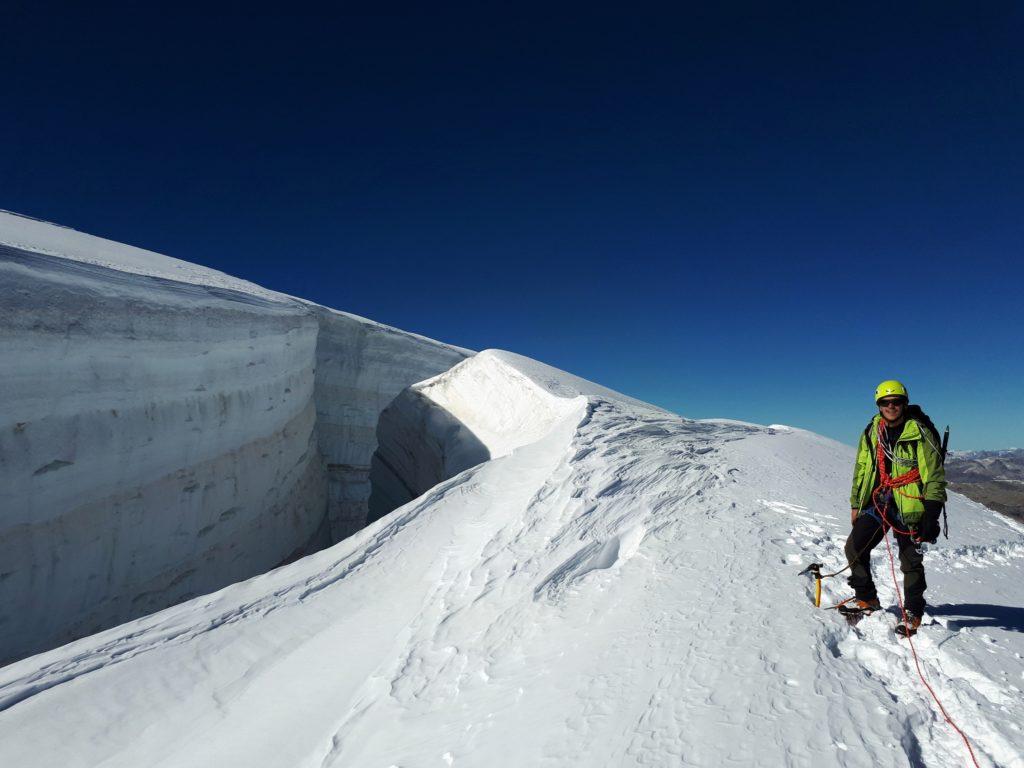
[(928, 529)]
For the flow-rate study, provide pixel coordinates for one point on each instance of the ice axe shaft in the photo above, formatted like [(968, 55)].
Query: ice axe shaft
[(815, 570)]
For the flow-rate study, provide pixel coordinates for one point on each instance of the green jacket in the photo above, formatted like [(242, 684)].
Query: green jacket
[(912, 444)]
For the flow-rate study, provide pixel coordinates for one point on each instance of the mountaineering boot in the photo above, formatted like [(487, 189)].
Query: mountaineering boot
[(908, 625), (857, 607)]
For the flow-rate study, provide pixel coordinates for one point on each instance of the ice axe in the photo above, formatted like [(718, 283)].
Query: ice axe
[(815, 570)]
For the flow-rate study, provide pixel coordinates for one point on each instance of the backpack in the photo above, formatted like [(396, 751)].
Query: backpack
[(914, 412)]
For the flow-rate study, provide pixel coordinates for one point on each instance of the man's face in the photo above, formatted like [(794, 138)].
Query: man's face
[(892, 409)]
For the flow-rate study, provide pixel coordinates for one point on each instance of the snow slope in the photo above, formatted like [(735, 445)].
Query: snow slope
[(167, 430), (615, 586), (42, 237)]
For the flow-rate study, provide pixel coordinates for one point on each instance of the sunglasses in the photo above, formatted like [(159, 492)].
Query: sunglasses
[(896, 403)]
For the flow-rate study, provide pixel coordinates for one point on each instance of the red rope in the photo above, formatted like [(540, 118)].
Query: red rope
[(895, 483), (888, 483), (917, 662)]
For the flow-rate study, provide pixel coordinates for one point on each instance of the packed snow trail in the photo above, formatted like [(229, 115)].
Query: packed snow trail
[(622, 591)]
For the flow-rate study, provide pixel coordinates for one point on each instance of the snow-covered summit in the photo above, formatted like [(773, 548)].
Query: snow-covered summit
[(584, 580), (620, 589)]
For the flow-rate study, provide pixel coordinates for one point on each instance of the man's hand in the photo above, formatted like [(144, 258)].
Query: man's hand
[(853, 515), (929, 527)]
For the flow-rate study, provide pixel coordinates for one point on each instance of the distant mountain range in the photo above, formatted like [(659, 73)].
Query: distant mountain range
[(992, 478)]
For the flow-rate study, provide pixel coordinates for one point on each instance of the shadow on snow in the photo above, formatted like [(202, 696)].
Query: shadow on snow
[(981, 615)]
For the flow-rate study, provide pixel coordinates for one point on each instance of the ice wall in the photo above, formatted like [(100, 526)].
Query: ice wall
[(360, 368), (167, 430), (157, 442)]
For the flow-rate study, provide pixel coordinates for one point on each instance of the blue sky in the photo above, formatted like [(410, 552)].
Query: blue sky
[(741, 212)]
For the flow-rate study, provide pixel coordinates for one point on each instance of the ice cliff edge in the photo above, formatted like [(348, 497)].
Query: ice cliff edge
[(168, 429)]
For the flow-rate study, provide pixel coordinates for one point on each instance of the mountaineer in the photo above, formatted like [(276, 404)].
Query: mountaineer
[(899, 483)]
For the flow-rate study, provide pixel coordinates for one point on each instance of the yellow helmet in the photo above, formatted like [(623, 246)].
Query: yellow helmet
[(890, 388)]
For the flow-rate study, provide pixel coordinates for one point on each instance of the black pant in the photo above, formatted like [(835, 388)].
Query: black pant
[(866, 534)]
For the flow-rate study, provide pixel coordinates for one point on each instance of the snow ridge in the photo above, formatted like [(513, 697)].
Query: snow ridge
[(608, 585), (619, 591)]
